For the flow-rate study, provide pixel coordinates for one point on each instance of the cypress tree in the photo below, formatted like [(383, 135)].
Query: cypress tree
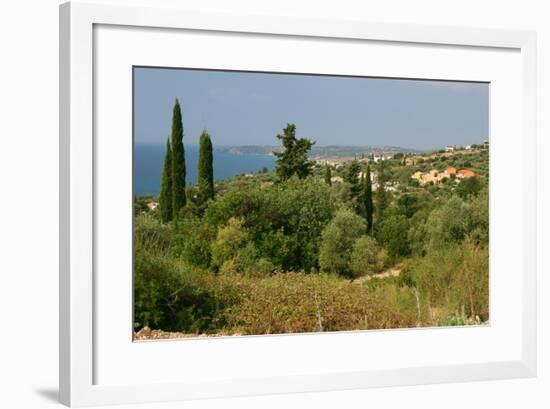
[(178, 161), (328, 175), (166, 186), (382, 196), (206, 170), (367, 197)]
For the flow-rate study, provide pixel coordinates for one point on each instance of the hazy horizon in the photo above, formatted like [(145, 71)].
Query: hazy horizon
[(243, 108), (196, 144)]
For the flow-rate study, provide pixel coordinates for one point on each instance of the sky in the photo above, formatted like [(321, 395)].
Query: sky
[(244, 108)]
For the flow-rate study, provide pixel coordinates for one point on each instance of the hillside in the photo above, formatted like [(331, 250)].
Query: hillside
[(297, 255), (332, 150)]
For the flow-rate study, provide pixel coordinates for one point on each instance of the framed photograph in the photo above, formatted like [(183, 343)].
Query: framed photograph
[(257, 204)]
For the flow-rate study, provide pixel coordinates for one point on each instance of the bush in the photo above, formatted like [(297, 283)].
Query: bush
[(308, 208), (337, 241), (298, 302), (247, 260), (448, 224), (192, 240), (479, 207), (365, 257), (468, 187), (229, 240), (170, 296), (151, 235), (458, 319), (293, 212), (394, 307), (408, 205), (280, 249), (452, 278), (393, 234)]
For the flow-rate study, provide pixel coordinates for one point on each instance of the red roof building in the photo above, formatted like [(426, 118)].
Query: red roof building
[(450, 170), (465, 173)]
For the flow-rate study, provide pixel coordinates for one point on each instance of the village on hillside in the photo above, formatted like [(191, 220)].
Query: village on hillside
[(436, 178), (427, 177)]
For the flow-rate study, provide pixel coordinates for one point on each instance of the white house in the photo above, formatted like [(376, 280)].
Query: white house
[(152, 205), (377, 157)]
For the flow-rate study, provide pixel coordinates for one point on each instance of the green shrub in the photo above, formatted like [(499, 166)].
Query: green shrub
[(174, 297), (337, 242), (151, 235), (394, 306), (192, 241), (452, 278), (448, 224), (247, 261), (468, 187), (479, 208), (458, 319), (408, 204), (280, 249), (229, 240), (393, 235), (294, 211), (366, 257)]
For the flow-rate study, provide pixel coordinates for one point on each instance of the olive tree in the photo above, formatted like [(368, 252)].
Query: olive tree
[(337, 241)]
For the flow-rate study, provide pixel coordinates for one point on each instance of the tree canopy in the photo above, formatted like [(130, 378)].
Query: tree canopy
[(337, 241), (293, 159)]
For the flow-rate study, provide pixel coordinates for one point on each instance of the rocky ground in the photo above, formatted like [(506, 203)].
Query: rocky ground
[(148, 334)]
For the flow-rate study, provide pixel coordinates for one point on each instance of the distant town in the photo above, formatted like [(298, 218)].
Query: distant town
[(335, 155), (319, 151), (338, 157)]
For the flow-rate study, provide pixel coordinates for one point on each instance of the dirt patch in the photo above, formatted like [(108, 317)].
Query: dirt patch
[(148, 334), (392, 272)]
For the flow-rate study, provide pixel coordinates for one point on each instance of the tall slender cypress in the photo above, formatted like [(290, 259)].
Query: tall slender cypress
[(178, 161), (206, 170), (166, 186), (382, 195), (328, 175), (367, 196)]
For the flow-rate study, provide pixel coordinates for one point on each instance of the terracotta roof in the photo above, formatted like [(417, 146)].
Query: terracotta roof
[(467, 173)]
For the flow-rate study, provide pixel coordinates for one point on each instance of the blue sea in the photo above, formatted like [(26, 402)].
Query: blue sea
[(148, 159)]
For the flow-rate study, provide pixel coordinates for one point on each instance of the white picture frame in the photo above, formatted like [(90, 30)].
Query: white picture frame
[(79, 385)]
